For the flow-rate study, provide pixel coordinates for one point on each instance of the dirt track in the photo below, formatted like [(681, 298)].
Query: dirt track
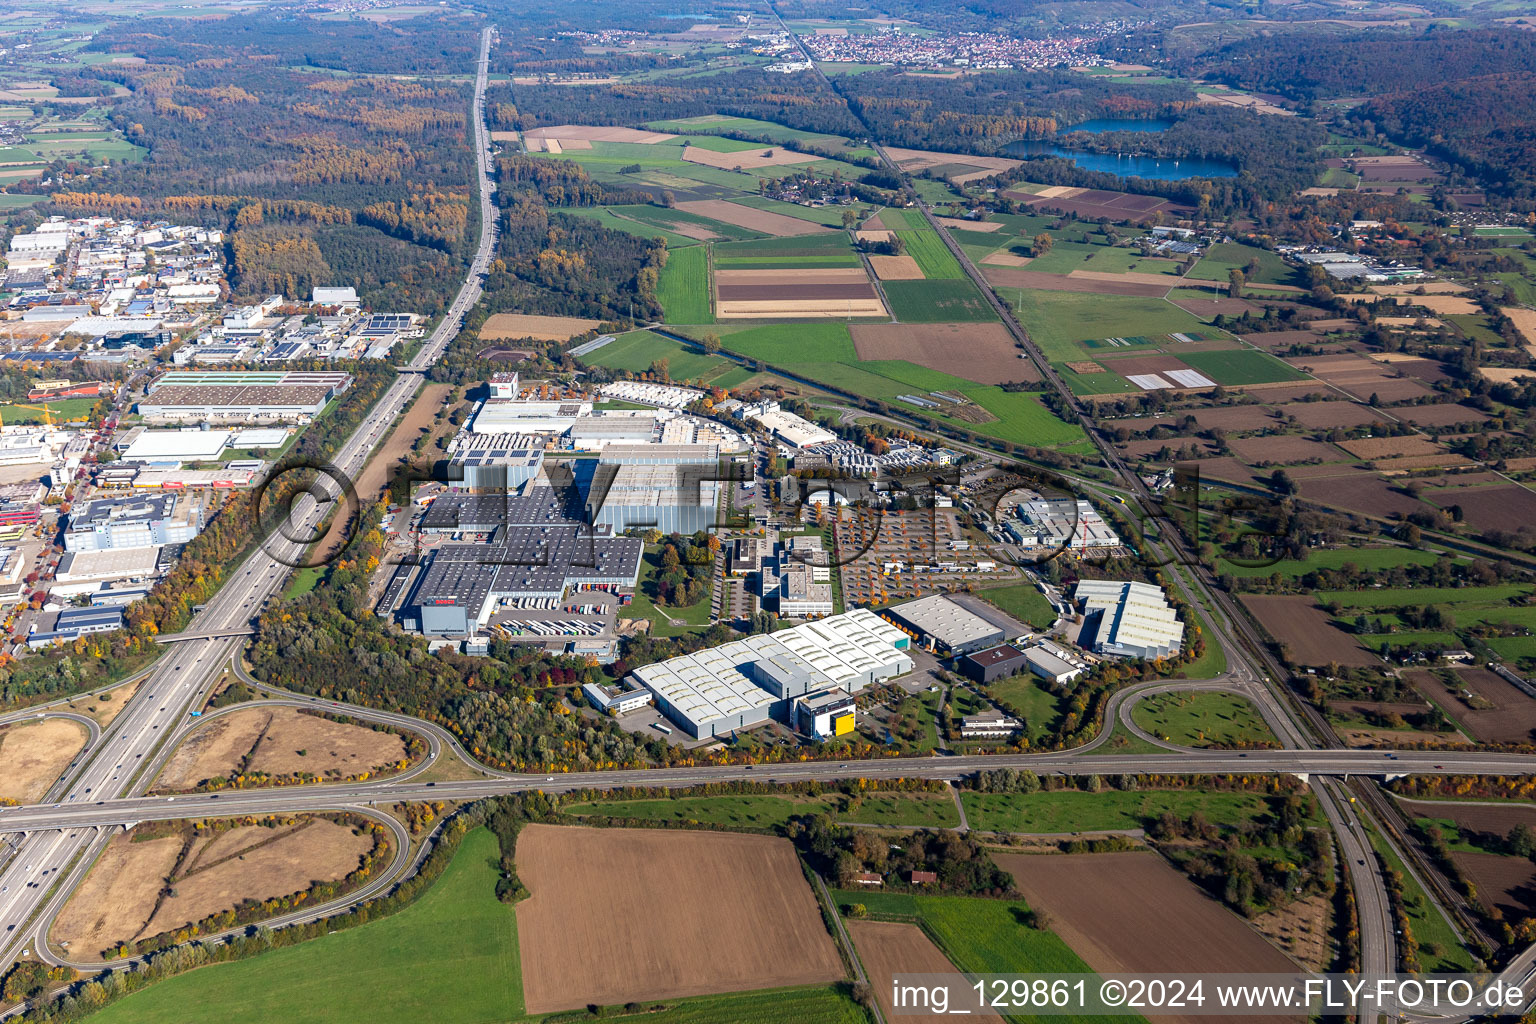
[(619, 915)]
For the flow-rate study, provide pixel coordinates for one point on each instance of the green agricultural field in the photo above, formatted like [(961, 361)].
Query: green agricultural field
[(612, 221), (668, 220), (902, 220), (827, 216), (1060, 321), (1094, 383), (931, 254), (930, 302), (1241, 366), (1024, 602), (1225, 256), (1073, 810), (1498, 594), (768, 811), (1203, 720), (17, 200), (1519, 649), (683, 288), (1022, 419), (982, 936), (784, 344), (1337, 558), (720, 123), (451, 958), (831, 246), (638, 350)]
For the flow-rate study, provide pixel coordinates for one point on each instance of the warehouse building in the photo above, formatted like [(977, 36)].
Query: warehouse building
[(104, 566), (191, 445), (243, 396), (1051, 666), (993, 663), (745, 682), (134, 522), (615, 703), (826, 713), (1061, 524), (945, 627), (462, 584), (74, 623), (1133, 620)]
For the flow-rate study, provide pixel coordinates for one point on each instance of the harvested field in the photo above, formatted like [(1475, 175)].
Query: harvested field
[(1283, 450), (1504, 374), (984, 353), (896, 268), (1013, 277), (1132, 912), (918, 160), (1254, 103), (1511, 719), (963, 224), (763, 930), (278, 741), (1320, 415), (515, 326), (35, 754), (1507, 884), (1451, 305), (1391, 447), (1428, 370), (597, 133), (1510, 507), (1006, 259), (1358, 490), (756, 220), (1160, 280), (1524, 321), (1406, 321), (888, 949), (1310, 638), (874, 235), (1391, 168), (1086, 367), (120, 899), (1093, 203), (1445, 460), (1215, 306), (1273, 340), (833, 292), (747, 159), (1428, 288)]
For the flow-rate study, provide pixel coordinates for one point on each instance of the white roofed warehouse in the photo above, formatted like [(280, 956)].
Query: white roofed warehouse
[(1133, 620), (746, 682)]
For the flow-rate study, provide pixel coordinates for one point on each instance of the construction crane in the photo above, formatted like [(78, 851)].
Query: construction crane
[(46, 411)]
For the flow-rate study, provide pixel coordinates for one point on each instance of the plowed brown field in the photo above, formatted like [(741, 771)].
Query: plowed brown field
[(619, 915)]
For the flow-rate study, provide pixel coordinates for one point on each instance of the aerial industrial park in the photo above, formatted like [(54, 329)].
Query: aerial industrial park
[(1006, 501)]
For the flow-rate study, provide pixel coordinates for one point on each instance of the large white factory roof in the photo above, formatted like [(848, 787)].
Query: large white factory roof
[(1137, 618), (177, 444), (713, 684)]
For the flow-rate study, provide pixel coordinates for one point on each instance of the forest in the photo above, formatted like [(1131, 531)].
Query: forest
[(981, 113), (318, 177), (1486, 125), (1310, 66), (799, 101)]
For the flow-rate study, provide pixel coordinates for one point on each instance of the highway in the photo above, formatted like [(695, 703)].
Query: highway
[(122, 762)]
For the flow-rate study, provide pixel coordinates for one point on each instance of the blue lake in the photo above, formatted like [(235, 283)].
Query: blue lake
[(1126, 165)]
